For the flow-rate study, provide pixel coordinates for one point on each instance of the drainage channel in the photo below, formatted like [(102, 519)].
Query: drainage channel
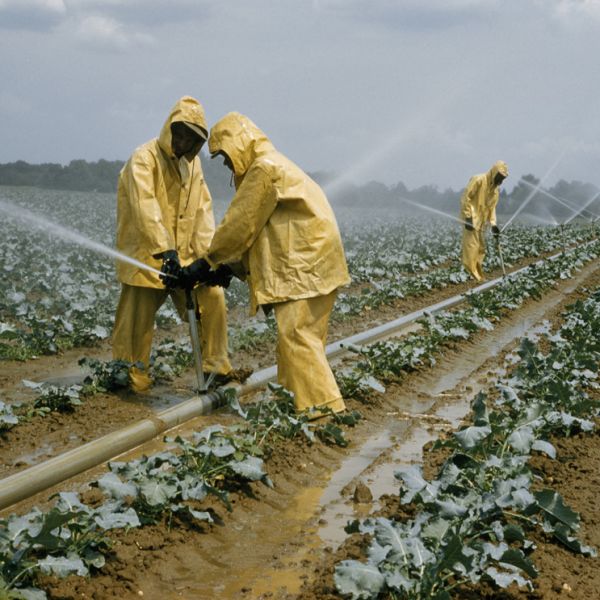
[(44, 475)]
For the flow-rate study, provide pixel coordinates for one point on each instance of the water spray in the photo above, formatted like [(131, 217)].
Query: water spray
[(430, 209), (17, 213), (557, 199), (590, 201), (533, 192)]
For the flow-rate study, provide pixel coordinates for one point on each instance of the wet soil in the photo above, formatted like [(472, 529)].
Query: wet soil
[(282, 542)]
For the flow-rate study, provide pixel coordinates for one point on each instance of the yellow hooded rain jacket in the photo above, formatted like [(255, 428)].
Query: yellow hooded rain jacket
[(279, 223), (155, 212), (480, 197)]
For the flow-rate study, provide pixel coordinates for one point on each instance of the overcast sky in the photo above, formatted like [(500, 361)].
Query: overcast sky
[(419, 91)]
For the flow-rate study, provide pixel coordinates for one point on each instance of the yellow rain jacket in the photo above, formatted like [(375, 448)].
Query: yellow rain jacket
[(478, 203), (279, 223), (480, 197), (158, 207)]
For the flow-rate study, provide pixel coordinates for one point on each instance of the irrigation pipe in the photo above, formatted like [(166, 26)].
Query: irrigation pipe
[(40, 477)]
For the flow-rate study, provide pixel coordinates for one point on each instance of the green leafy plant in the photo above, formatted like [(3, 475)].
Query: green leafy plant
[(473, 519)]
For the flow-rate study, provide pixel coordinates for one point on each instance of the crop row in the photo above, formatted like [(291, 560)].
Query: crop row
[(473, 522), (389, 359), (517, 244), (73, 537), (57, 296)]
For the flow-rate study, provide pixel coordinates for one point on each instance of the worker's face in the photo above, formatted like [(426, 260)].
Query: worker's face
[(499, 179), (184, 141)]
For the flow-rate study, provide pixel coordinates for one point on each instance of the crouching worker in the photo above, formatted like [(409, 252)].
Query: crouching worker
[(164, 217), (280, 227), (477, 210)]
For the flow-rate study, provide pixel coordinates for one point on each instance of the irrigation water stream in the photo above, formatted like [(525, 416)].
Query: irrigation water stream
[(21, 215)]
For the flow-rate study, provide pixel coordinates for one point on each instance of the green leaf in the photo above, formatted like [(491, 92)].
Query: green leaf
[(27, 594), (505, 579), (110, 516), (469, 437), (201, 515), (157, 493), (62, 566), (331, 433), (251, 468), (389, 534), (112, 485), (27, 525), (396, 580), (358, 580), (480, 410), (94, 558), (552, 504), (52, 520), (521, 439), (192, 489), (545, 447), (415, 483), (513, 533), (562, 533), (70, 501), (454, 554), (448, 508), (436, 529), (516, 558)]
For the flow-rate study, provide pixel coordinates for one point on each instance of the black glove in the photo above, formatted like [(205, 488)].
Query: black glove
[(469, 224), (496, 231), (198, 272), (170, 271), (221, 276)]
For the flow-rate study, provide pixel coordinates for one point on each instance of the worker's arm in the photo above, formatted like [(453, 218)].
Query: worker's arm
[(249, 211)]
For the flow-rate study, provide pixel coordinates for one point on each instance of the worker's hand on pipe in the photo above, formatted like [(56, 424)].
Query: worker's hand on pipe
[(221, 276), (170, 271), (469, 224), (496, 231), (198, 272)]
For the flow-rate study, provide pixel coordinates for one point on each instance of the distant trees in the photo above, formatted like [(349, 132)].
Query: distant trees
[(102, 176), (78, 175)]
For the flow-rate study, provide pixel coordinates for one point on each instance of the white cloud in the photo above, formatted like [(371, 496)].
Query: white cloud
[(571, 10), (105, 32), (23, 5)]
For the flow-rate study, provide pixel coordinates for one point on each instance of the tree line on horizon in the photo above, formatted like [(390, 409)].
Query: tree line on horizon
[(102, 176)]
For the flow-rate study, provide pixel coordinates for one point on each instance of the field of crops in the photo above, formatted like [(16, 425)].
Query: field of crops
[(466, 467)]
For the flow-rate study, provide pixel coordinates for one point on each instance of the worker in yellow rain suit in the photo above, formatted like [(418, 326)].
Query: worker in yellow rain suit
[(280, 227), (164, 214), (477, 210)]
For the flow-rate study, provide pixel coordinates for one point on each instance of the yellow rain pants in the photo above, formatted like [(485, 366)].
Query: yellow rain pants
[(302, 366), (134, 328), (473, 253)]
